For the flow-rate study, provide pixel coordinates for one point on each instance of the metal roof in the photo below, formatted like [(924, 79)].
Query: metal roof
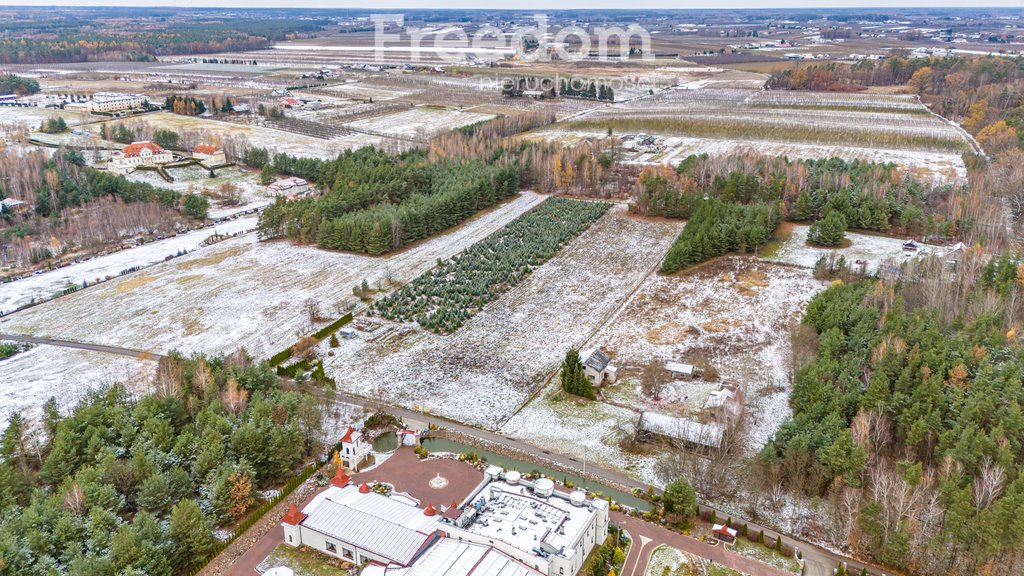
[(597, 360), (709, 434), (450, 557), (371, 522), (679, 368)]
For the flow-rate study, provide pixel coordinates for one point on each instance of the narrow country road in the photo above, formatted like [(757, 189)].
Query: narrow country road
[(818, 561), (140, 354)]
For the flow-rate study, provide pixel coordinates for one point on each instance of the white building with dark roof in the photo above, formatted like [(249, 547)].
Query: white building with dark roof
[(598, 367)]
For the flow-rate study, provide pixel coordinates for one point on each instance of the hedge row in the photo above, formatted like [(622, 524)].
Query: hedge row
[(288, 488)]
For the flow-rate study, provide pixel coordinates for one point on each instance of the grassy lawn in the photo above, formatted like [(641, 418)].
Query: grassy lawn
[(765, 554), (304, 561), (667, 561), (719, 570)]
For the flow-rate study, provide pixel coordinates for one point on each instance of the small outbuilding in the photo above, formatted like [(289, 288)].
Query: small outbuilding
[(724, 533), (681, 371)]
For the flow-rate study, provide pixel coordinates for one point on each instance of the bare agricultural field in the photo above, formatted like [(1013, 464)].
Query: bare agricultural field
[(29, 379), (422, 121), (485, 370), (932, 167), (32, 118), (264, 137), (366, 91), (878, 127), (239, 293), (732, 313)]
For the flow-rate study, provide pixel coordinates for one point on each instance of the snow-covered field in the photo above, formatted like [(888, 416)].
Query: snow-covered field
[(732, 312), (33, 117), (193, 178), (45, 285), (239, 292), (933, 167), (29, 379), (486, 369), (421, 122), (263, 137), (873, 250)]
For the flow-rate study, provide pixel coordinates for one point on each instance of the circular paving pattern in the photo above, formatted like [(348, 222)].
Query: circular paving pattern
[(438, 482)]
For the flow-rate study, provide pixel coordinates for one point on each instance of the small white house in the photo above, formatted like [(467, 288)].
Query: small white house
[(598, 367), (353, 449)]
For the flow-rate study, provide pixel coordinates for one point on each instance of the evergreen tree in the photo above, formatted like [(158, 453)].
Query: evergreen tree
[(191, 534), (828, 231), (680, 500), (267, 174)]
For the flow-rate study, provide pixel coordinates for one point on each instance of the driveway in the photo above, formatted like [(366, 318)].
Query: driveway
[(419, 479)]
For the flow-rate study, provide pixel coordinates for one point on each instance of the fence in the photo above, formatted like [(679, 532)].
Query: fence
[(258, 514)]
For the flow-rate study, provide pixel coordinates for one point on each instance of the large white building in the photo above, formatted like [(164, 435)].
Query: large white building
[(505, 527), (110, 102), (136, 154)]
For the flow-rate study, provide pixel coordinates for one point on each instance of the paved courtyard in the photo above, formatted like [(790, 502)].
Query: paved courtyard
[(439, 482)]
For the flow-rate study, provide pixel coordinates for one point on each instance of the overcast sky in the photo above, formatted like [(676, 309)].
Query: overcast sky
[(529, 4)]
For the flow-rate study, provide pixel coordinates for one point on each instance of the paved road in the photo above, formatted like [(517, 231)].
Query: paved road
[(140, 354), (647, 537), (818, 561)]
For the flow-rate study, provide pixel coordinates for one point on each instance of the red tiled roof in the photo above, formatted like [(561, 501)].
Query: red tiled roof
[(340, 478), (347, 438), (293, 517), (205, 149), (364, 489), (134, 148)]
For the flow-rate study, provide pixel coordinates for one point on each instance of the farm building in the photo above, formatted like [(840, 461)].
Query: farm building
[(347, 333), (136, 154), (290, 188), (209, 155), (681, 371), (724, 404), (598, 367), (689, 432), (353, 450), (396, 536)]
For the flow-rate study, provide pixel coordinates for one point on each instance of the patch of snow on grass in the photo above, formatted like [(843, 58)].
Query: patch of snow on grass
[(29, 379), (486, 369)]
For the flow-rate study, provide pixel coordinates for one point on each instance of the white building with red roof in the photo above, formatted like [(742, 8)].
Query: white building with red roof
[(353, 449), (136, 154), (209, 155)]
